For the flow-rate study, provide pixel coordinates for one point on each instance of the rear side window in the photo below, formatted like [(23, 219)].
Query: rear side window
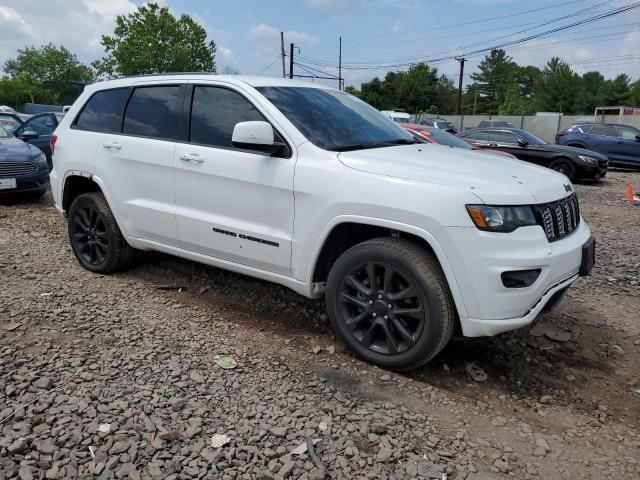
[(503, 137), (481, 136), (601, 130), (153, 112), (103, 111), (214, 113)]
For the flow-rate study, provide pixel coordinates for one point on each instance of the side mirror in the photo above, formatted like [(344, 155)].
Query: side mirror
[(256, 136), (28, 134), (522, 142)]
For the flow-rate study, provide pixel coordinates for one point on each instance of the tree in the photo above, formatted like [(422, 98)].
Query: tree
[(618, 90), (497, 74), (559, 89), (517, 104), (49, 70), (152, 40)]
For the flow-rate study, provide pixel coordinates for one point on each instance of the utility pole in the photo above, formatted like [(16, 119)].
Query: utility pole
[(291, 61), (461, 60), (340, 65), (475, 99), (284, 73)]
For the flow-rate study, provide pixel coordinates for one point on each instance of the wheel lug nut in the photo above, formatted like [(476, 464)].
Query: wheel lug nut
[(386, 317), (389, 306), (374, 314), (379, 297), (370, 302)]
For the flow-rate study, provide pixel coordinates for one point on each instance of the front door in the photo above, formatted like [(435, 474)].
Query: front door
[(43, 124), (232, 204)]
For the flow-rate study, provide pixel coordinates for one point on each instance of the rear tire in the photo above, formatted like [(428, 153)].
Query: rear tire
[(95, 237), (389, 302), (565, 166)]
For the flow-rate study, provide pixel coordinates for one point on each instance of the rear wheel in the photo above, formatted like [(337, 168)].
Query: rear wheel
[(95, 237), (565, 166), (389, 302)]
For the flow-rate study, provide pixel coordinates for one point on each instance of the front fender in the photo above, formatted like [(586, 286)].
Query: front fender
[(428, 237)]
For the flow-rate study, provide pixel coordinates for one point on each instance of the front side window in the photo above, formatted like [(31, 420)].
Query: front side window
[(335, 120), (103, 111), (627, 133), (215, 112), (154, 112), (480, 136)]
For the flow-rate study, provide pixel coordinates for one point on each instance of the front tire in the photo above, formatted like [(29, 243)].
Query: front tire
[(389, 302), (95, 237), (565, 166)]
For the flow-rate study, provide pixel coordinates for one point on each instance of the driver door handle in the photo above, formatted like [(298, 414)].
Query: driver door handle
[(191, 157), (112, 145)]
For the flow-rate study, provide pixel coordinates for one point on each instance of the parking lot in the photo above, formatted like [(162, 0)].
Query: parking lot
[(114, 376)]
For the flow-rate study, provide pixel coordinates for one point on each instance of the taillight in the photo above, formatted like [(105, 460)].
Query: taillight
[(52, 142)]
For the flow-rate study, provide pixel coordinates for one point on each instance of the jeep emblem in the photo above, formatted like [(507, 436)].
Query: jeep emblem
[(567, 188)]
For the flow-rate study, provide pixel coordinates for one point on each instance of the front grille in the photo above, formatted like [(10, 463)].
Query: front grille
[(16, 169), (558, 219)]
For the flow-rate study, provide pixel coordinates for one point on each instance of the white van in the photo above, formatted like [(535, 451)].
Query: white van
[(397, 116)]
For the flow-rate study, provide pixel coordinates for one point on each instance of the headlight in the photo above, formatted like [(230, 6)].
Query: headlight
[(589, 160), (42, 158), (501, 219)]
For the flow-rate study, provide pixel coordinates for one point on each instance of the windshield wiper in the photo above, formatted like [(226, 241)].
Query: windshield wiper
[(363, 146)]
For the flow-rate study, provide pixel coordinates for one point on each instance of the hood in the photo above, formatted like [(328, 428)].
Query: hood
[(550, 147), (495, 180), (13, 148)]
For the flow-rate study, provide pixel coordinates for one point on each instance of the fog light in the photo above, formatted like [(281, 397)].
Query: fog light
[(520, 278)]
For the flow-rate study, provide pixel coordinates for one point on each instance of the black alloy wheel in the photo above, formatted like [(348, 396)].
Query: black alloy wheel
[(390, 303), (382, 309), (90, 235), (564, 166), (95, 237)]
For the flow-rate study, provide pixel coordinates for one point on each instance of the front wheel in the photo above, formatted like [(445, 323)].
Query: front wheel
[(95, 237), (565, 166), (389, 302)]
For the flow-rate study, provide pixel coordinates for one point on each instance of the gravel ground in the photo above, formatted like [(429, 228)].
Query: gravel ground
[(116, 376)]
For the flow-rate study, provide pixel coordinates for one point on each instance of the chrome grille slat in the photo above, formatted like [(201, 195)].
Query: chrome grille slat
[(16, 169), (558, 219)]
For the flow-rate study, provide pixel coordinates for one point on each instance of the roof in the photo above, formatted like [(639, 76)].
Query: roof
[(252, 80)]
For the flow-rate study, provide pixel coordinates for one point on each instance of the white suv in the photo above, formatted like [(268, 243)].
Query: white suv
[(311, 188)]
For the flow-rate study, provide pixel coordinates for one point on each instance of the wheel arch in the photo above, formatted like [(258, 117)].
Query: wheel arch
[(344, 232)]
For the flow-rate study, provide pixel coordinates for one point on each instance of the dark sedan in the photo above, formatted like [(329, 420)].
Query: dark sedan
[(621, 143), (23, 167), (573, 162), (439, 123)]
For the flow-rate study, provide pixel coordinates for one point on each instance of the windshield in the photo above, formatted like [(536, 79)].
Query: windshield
[(401, 120), (4, 133), (531, 138), (335, 120), (445, 138), (9, 123)]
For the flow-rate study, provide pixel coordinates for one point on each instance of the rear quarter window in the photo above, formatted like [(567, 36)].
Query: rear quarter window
[(103, 112)]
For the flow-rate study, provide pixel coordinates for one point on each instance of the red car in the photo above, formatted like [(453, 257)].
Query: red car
[(441, 137)]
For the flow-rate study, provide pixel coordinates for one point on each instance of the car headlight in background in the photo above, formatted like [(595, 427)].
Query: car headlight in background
[(501, 219), (589, 160)]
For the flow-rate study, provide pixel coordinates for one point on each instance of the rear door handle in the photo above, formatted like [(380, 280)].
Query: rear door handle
[(191, 157), (112, 145)]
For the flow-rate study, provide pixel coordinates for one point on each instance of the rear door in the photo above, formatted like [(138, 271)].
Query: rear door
[(136, 162), (232, 204), (602, 139)]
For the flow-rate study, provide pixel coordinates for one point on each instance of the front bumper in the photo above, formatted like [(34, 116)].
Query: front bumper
[(35, 182), (480, 258)]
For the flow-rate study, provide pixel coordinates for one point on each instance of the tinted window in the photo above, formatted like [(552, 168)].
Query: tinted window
[(103, 111), (44, 125), (478, 136), (503, 137), (214, 113), (627, 133), (445, 138), (601, 130), (335, 120), (153, 112)]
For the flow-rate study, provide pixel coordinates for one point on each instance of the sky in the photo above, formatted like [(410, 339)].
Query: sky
[(377, 35)]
